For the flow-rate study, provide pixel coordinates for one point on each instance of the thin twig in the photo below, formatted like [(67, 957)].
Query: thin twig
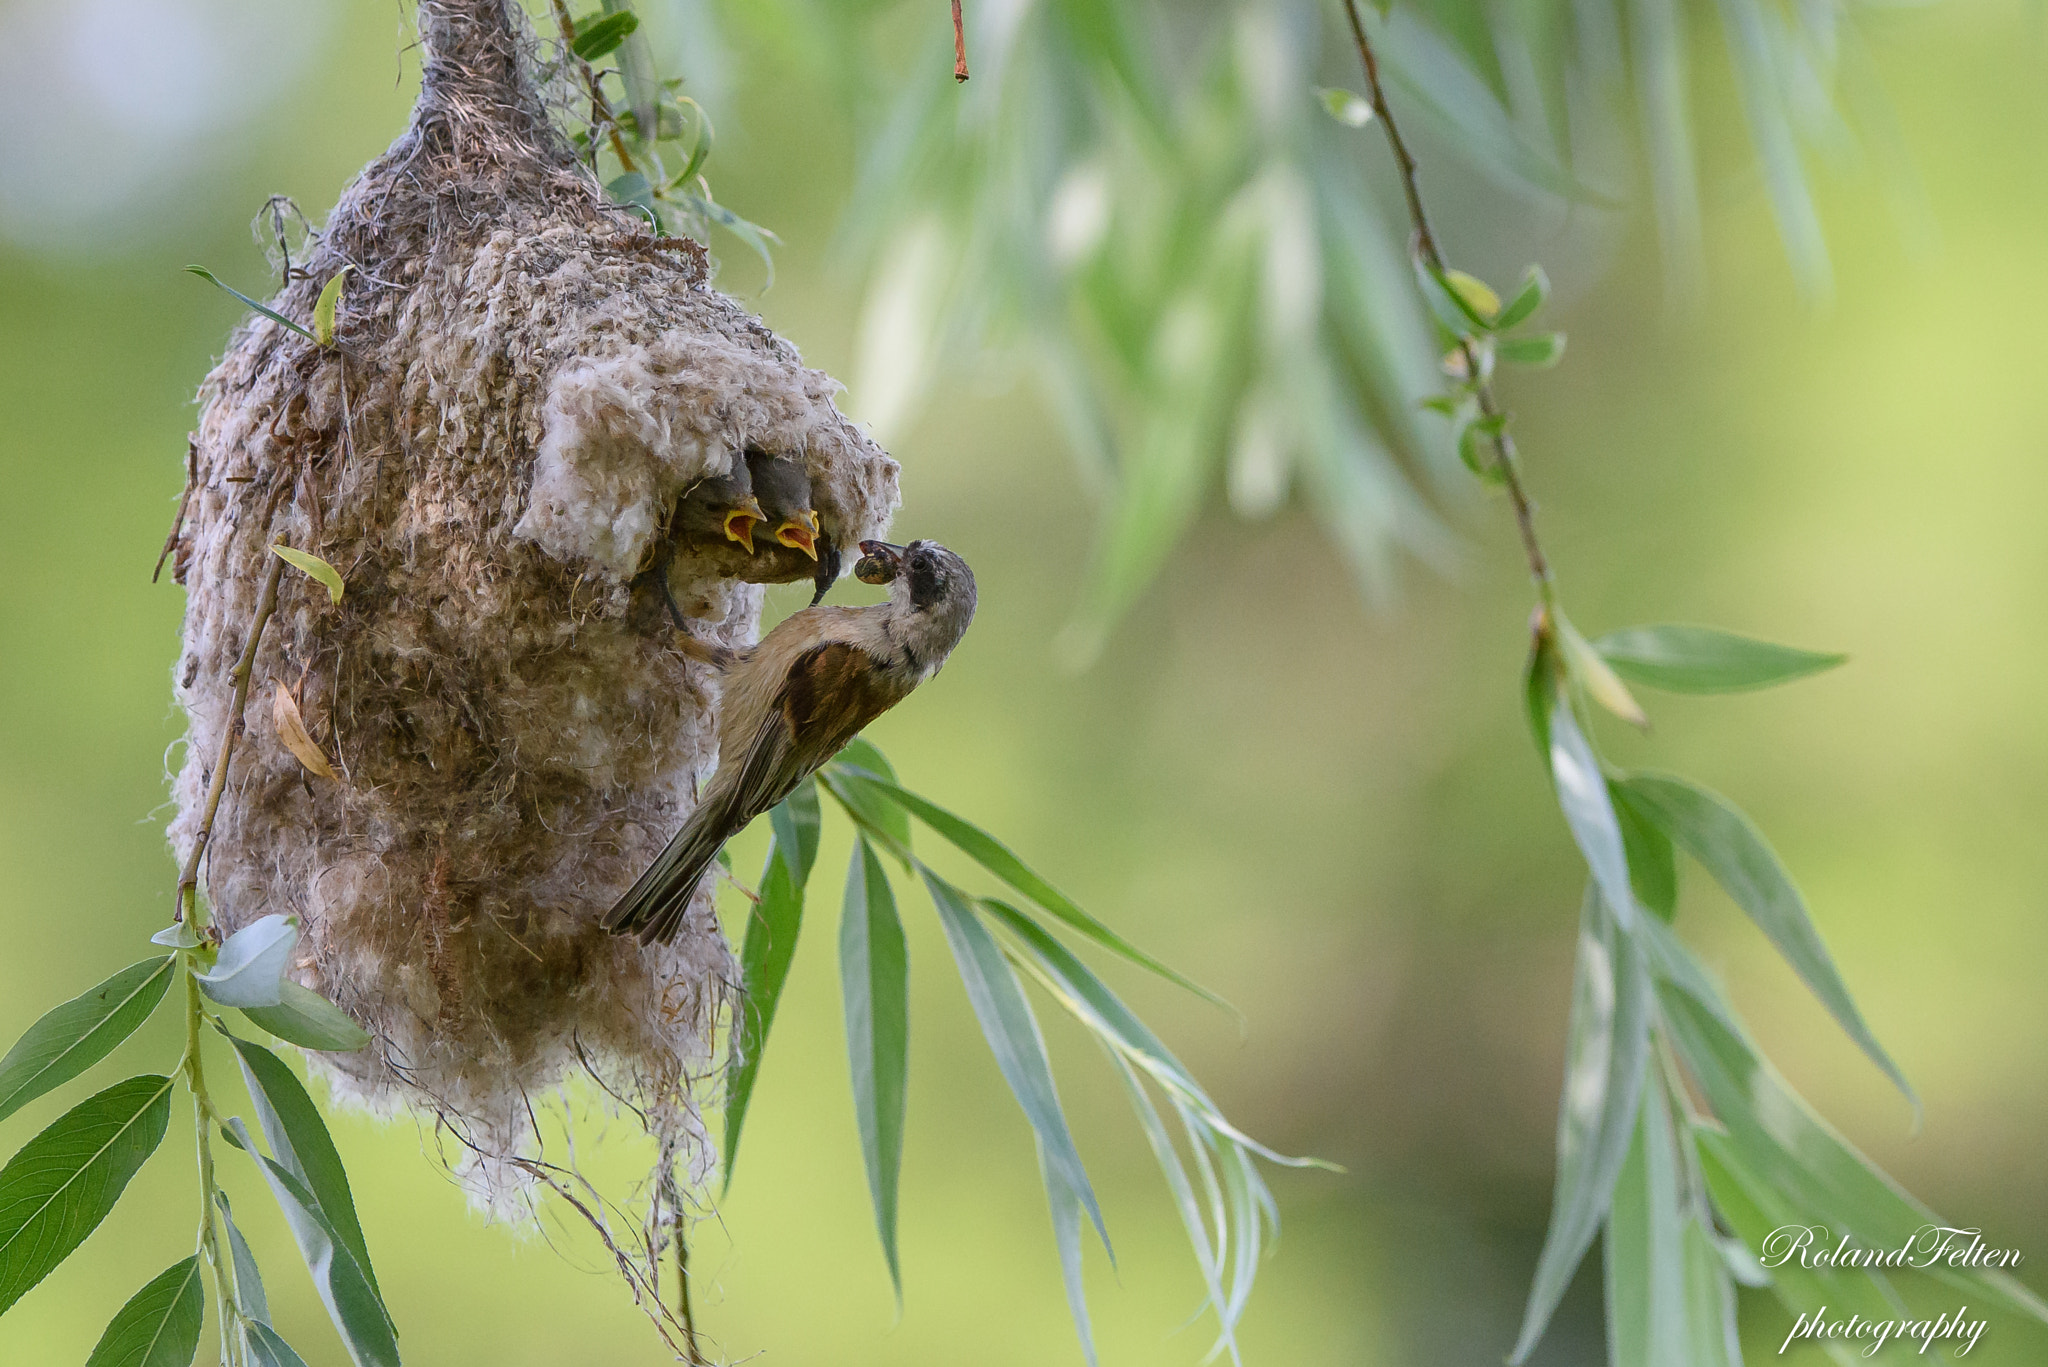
[(184, 501), (600, 107), (959, 44), (188, 879), (1504, 455)]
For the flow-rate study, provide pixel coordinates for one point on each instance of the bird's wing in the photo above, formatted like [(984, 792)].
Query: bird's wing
[(830, 693)]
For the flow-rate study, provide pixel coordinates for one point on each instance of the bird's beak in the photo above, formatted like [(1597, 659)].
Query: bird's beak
[(739, 526), (879, 562), (804, 538)]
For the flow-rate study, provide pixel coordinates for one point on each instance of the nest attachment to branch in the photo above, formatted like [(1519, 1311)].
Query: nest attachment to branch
[(524, 384)]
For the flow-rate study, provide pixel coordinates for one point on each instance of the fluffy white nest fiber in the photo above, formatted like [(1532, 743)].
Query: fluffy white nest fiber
[(526, 382)]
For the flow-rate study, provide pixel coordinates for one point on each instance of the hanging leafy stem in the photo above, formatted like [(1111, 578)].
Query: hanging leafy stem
[(997, 945), (1685, 1192), (648, 147)]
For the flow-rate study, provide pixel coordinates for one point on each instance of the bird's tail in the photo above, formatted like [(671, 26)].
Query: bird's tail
[(653, 907)]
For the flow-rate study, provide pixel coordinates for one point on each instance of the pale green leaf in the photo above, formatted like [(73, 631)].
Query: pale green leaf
[(765, 957), (1353, 111), (874, 975), (307, 1019), (1535, 288), (325, 306), (252, 963), (1592, 673), (272, 314), (313, 565), (1687, 659)]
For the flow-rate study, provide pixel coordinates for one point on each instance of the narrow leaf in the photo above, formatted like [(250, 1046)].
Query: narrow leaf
[(160, 1324), (1535, 289), (1592, 673), (765, 956), (1605, 1054), (249, 1296), (267, 1349), (62, 1183), (313, 565), (291, 729), (1066, 1234), (1683, 659), (796, 820), (1646, 1298), (1481, 304), (1652, 863), (597, 36), (307, 1019), (345, 1289), (69, 1039), (1722, 839), (252, 963), (300, 1141), (1789, 1149), (272, 314), (1012, 1033), (1541, 350), (998, 859), (874, 975), (324, 307), (1582, 794)]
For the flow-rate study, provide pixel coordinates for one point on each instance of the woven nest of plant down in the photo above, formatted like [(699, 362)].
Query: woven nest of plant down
[(523, 383)]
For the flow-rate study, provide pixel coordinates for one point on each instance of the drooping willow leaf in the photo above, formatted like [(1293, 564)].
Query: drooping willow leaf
[(160, 1324), (66, 1040)]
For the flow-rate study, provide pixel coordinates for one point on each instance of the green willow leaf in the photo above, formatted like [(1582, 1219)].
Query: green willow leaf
[(765, 956), (1582, 794), (160, 1324), (272, 314), (1646, 1293), (302, 1146), (69, 1039), (1724, 842), (796, 821), (1685, 659), (64, 1181), (1535, 289), (307, 1019), (1777, 1137), (352, 1301), (312, 565), (1592, 673), (1012, 1033), (1709, 1303), (1652, 863), (993, 855), (252, 963), (1066, 1234), (874, 975), (324, 309), (1540, 350), (249, 1296), (853, 773), (268, 1349), (600, 35), (1753, 1211), (1606, 1050)]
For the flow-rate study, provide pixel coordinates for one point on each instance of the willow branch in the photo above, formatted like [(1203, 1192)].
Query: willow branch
[(600, 107), (188, 879), (1505, 458)]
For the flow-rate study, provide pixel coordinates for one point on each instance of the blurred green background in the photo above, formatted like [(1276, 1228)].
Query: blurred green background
[(1328, 814)]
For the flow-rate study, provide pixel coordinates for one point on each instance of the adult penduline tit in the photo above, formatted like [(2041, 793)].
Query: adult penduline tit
[(793, 701)]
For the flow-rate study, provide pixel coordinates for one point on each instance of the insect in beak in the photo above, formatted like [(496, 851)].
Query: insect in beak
[(879, 562), (796, 534)]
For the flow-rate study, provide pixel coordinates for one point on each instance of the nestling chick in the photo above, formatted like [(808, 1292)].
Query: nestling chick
[(720, 507), (793, 701), (785, 491)]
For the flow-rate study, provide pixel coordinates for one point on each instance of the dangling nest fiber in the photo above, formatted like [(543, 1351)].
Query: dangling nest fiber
[(525, 382)]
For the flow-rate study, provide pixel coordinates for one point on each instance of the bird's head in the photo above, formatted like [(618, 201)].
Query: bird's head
[(923, 577)]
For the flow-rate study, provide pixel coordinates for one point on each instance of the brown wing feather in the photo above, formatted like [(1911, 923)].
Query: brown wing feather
[(830, 693)]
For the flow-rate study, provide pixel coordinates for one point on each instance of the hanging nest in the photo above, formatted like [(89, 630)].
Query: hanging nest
[(524, 383)]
